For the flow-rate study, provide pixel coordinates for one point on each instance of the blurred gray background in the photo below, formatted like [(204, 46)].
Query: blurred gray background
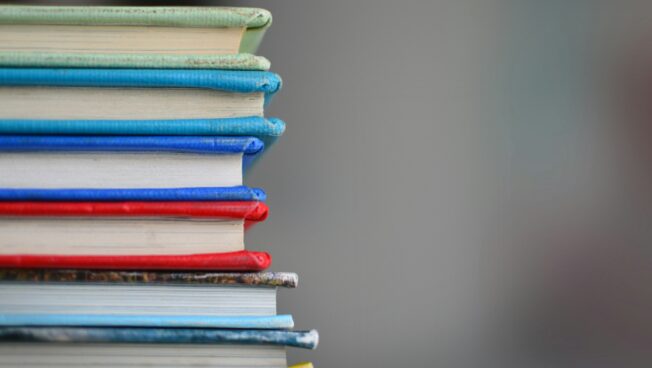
[(444, 189)]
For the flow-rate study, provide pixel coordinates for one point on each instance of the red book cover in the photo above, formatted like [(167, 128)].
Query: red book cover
[(250, 211), (234, 261)]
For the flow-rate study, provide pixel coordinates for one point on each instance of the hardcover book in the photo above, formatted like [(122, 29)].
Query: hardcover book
[(125, 228), (37, 297), (130, 94), (137, 102), (132, 37), (131, 162), (134, 347)]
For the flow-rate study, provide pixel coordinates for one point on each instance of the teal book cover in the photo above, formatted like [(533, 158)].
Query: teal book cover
[(299, 339), (267, 130)]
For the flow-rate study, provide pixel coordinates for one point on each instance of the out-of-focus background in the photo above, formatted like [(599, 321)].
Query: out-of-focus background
[(462, 182)]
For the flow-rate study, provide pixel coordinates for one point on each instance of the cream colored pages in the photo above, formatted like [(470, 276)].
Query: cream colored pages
[(119, 236), (111, 170), (120, 39), (87, 103)]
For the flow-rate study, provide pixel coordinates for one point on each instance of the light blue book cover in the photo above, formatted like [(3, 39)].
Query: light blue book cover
[(169, 321), (266, 129), (242, 81)]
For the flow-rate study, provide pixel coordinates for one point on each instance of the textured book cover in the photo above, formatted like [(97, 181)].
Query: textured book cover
[(267, 130), (300, 339), (249, 211), (233, 261), (254, 21), (265, 279), (237, 193), (249, 147), (245, 210), (224, 80)]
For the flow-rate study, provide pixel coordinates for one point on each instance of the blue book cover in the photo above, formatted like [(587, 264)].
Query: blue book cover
[(169, 321), (250, 147), (267, 130), (299, 339), (225, 80), (238, 193)]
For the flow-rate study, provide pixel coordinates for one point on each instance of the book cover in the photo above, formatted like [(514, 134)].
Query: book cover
[(224, 80), (247, 210), (254, 21), (267, 130), (250, 147), (300, 339), (232, 261), (165, 321), (237, 193), (266, 279)]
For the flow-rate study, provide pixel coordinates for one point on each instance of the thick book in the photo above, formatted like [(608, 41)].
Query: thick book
[(159, 96), (124, 162), (38, 297), (126, 228), (132, 37), (135, 348)]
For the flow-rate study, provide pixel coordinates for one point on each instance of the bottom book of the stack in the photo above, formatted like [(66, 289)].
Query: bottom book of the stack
[(147, 347)]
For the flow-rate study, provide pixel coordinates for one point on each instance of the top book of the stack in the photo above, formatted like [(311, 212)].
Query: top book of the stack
[(132, 37)]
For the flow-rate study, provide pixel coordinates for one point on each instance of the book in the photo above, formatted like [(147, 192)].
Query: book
[(126, 228), (235, 193), (28, 94), (134, 37), (140, 347), (38, 297), (129, 162)]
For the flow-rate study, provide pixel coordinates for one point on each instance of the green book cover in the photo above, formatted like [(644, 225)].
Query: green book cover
[(253, 21)]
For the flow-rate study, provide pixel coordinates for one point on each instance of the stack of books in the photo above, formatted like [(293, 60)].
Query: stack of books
[(124, 137)]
